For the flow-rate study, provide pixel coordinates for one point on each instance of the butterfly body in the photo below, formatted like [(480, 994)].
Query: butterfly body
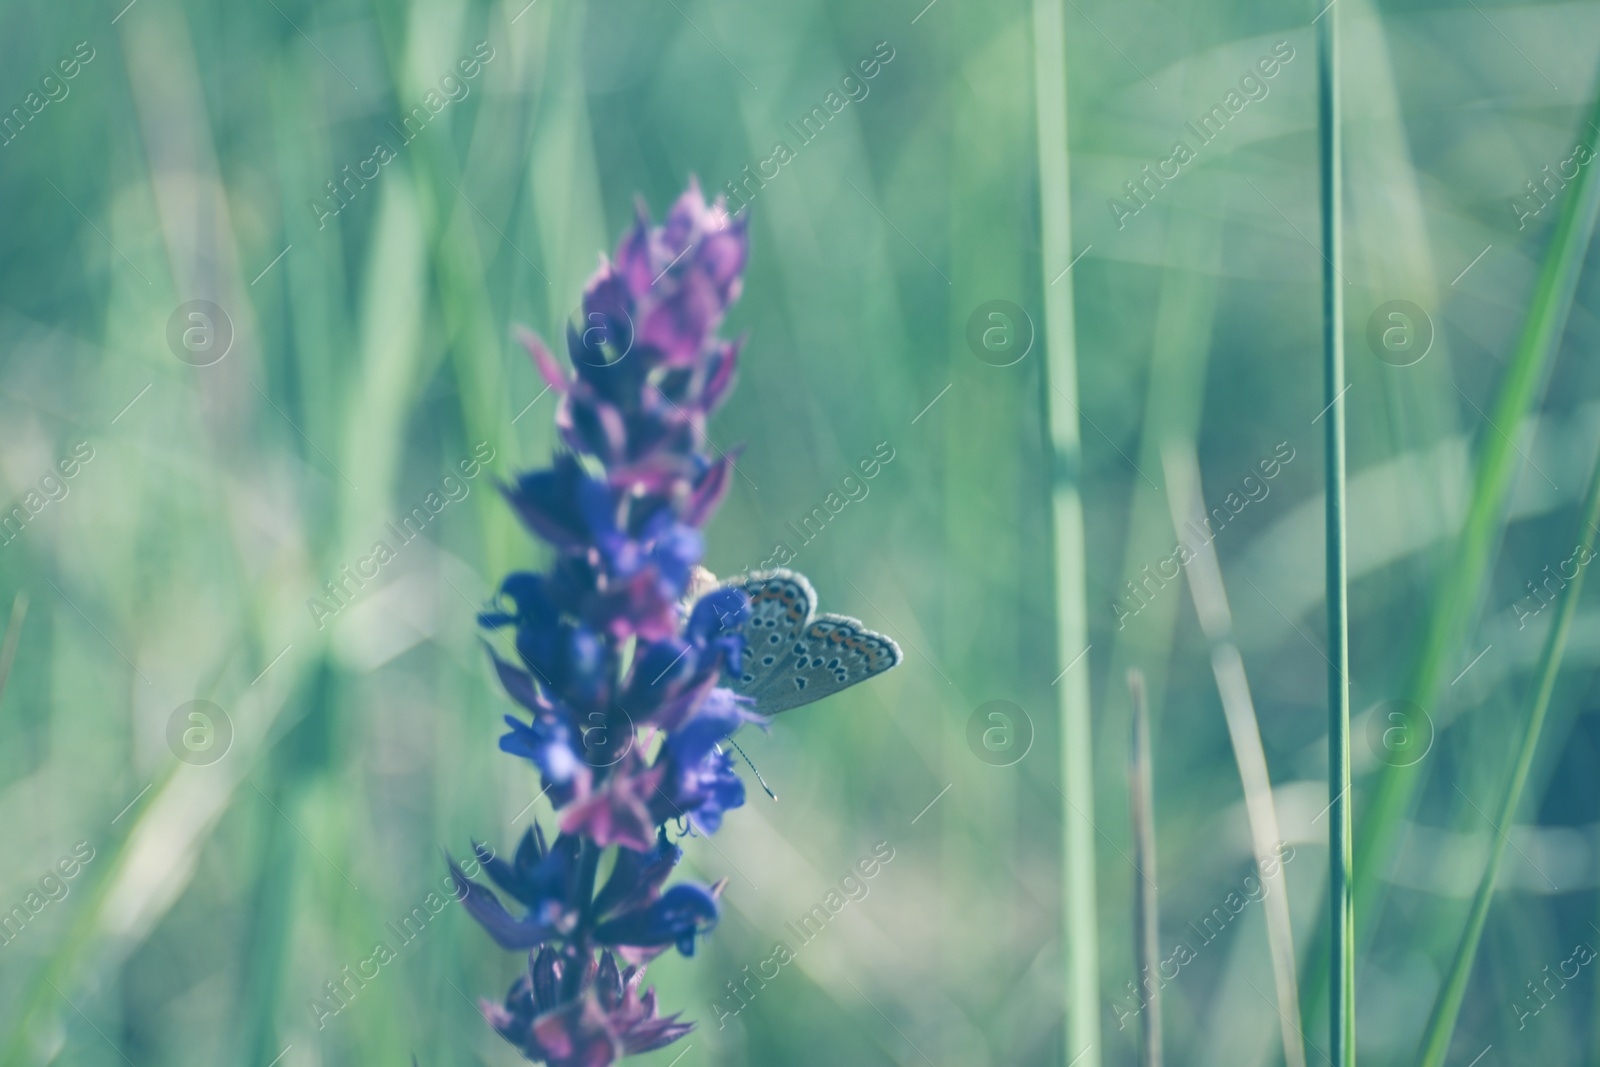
[(793, 656)]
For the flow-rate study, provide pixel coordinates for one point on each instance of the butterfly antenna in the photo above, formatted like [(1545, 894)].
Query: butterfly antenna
[(753, 770)]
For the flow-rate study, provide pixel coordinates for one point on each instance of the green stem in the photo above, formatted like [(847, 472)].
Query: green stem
[(1447, 1006), (583, 950), (1146, 903), (1341, 1004), (1080, 925), (1454, 605)]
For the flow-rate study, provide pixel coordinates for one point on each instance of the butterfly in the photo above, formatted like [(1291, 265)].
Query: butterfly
[(793, 656)]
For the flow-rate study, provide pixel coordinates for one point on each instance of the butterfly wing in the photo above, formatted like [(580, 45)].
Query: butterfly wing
[(781, 606), (834, 653), (793, 658)]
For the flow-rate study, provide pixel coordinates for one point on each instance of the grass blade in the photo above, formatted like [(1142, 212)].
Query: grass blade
[(1187, 498), (1454, 607), (1081, 927), (1146, 906), (1341, 964), (1447, 1006), (1180, 352)]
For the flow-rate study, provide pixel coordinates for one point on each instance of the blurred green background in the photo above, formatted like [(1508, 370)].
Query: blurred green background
[(238, 861)]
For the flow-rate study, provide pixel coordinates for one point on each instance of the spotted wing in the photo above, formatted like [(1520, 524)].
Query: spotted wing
[(781, 606), (792, 658)]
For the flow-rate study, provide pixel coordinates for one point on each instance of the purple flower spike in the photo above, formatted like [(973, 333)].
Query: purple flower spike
[(647, 366), (677, 918), (622, 633), (605, 1020)]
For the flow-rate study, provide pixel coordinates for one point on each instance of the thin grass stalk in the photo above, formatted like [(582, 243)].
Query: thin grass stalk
[(1146, 905), (1497, 465), (1180, 350), (1447, 1006), (1174, 394), (1186, 497), (1341, 963), (1455, 604), (1060, 392)]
